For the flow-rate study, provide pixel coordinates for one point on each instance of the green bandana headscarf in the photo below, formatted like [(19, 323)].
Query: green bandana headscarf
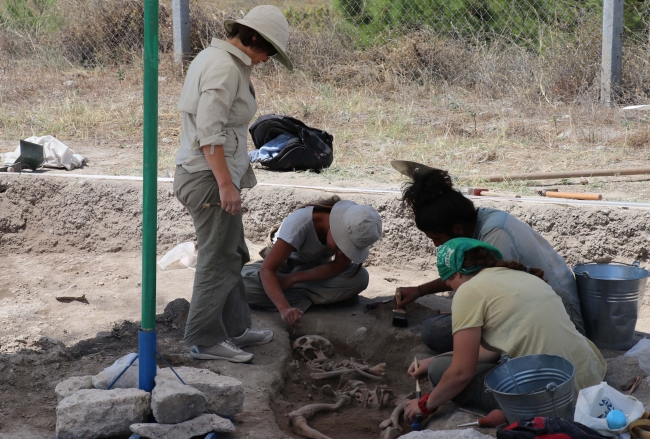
[(451, 256)]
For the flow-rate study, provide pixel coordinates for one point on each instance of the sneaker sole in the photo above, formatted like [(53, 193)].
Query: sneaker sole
[(255, 343), (199, 356)]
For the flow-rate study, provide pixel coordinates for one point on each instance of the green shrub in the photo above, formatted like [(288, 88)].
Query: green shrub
[(33, 16), (521, 21)]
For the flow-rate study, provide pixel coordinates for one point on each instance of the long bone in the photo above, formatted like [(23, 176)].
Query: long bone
[(298, 418), (378, 370), (390, 428), (345, 371)]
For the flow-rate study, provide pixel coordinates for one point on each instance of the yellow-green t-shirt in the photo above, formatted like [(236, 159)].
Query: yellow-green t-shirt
[(519, 314)]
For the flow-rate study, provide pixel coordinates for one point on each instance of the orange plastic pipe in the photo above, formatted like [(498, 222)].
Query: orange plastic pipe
[(574, 195)]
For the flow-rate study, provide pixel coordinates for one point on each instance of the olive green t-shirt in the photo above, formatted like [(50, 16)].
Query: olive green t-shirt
[(519, 314)]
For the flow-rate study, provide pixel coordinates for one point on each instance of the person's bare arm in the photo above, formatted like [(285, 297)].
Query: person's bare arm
[(278, 255), (461, 371), (228, 192), (324, 271), (411, 294), (485, 356)]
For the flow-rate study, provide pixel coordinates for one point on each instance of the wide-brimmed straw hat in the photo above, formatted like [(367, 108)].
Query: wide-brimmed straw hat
[(354, 228), (270, 23)]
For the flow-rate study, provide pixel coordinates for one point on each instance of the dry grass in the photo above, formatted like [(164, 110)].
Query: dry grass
[(471, 107)]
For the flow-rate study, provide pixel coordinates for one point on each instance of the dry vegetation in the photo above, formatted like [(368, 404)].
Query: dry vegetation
[(468, 106)]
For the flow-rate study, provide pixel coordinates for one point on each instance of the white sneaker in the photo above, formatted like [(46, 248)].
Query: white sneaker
[(223, 351), (253, 337)]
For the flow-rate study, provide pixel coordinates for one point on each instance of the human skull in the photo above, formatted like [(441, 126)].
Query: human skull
[(313, 348)]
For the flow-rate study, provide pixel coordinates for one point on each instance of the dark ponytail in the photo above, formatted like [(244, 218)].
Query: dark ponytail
[(486, 259), (436, 205)]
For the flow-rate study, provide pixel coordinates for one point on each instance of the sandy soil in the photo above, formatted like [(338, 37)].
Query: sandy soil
[(69, 237)]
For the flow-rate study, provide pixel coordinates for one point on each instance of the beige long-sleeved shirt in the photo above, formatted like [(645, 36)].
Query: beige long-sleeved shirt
[(217, 104)]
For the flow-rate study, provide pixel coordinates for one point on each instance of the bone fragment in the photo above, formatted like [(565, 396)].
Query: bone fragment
[(393, 421), (378, 370), (367, 375), (327, 390), (373, 399), (391, 433), (330, 374), (298, 418)]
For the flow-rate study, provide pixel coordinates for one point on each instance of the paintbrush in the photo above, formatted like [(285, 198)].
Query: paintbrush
[(417, 422), (399, 315)]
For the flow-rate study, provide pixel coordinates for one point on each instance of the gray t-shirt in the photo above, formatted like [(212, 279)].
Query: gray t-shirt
[(519, 242), (298, 230)]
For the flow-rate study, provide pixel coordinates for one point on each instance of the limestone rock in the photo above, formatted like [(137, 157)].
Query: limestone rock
[(71, 385), (225, 394), (99, 381), (198, 426), (467, 433), (94, 413), (173, 402)]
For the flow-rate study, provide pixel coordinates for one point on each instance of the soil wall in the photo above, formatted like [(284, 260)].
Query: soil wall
[(52, 214)]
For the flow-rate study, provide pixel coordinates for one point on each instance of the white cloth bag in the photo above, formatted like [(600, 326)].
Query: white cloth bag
[(596, 401), (56, 154)]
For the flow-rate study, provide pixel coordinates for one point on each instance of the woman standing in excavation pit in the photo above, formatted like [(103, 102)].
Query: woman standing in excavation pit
[(298, 269), (217, 103)]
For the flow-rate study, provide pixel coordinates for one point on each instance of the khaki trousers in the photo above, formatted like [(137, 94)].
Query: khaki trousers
[(218, 309), (303, 295)]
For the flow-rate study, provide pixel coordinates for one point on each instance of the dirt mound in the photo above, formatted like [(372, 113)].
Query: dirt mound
[(54, 214)]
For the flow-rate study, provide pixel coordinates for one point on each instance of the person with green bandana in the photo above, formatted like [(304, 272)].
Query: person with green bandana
[(500, 308)]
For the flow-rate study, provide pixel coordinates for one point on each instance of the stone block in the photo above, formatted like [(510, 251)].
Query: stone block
[(94, 413), (71, 385), (173, 402), (467, 433), (225, 394), (99, 381), (198, 426)]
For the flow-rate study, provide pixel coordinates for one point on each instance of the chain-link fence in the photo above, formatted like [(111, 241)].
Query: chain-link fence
[(429, 38)]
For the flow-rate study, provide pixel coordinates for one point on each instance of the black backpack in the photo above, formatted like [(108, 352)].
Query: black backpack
[(309, 148)]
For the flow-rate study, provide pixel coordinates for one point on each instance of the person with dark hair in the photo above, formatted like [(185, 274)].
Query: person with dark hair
[(314, 256), (500, 308), (443, 213), (217, 103)]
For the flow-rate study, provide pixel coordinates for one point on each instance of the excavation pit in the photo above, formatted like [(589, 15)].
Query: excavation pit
[(357, 336), (78, 237)]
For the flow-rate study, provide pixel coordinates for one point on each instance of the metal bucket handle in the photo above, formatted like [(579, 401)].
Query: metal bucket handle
[(635, 264), (502, 360)]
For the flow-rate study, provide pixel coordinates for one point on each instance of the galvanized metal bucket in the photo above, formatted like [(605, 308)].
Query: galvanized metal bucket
[(533, 385), (610, 298)]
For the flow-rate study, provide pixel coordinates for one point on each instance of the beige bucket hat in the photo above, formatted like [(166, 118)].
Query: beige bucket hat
[(354, 228), (270, 23)]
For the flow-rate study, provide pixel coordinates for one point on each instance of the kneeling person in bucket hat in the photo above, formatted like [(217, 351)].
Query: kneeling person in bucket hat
[(217, 104), (314, 256), (507, 307)]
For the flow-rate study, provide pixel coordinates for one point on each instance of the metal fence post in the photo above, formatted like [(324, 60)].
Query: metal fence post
[(181, 21), (610, 70)]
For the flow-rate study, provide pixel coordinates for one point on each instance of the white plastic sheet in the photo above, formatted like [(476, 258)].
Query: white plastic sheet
[(596, 401), (641, 351), (56, 154), (130, 379), (184, 253)]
